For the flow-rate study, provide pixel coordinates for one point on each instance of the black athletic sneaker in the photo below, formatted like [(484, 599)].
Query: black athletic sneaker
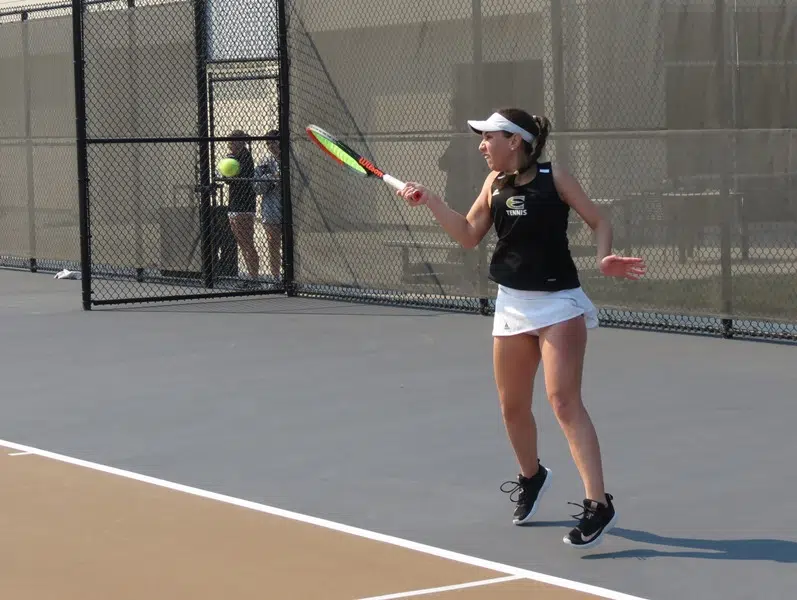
[(529, 490), (594, 521)]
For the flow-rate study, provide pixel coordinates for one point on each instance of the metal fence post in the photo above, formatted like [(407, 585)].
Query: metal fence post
[(559, 103), (723, 94), (285, 149), (26, 67), (206, 218), (82, 152)]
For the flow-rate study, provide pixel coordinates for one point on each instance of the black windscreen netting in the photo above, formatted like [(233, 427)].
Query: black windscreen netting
[(676, 117)]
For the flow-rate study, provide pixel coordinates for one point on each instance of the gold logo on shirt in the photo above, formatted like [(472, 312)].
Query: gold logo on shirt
[(516, 206)]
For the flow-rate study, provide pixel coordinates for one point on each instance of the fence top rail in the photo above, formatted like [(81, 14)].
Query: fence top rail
[(20, 7)]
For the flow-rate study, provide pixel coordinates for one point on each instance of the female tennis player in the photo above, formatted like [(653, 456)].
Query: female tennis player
[(541, 312)]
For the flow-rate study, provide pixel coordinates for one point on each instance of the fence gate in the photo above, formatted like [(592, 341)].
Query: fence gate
[(161, 87), (244, 97)]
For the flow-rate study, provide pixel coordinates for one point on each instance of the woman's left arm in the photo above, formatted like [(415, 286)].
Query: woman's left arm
[(572, 193), (609, 264)]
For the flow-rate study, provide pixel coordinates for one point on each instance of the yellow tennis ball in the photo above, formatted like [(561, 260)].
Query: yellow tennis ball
[(229, 167)]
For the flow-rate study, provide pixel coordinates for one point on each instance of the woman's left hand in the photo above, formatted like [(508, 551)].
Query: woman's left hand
[(626, 267)]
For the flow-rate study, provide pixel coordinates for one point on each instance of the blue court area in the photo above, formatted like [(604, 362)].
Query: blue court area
[(387, 419)]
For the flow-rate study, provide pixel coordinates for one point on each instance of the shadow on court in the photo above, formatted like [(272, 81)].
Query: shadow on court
[(283, 305), (781, 551)]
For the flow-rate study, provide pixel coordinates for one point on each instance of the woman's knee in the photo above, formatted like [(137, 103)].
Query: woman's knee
[(563, 347), (515, 407), (516, 360), (566, 404)]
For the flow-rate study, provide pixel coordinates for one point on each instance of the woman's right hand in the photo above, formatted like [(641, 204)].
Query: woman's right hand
[(414, 193)]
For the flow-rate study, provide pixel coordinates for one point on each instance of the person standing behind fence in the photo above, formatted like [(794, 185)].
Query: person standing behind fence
[(267, 186), (242, 206)]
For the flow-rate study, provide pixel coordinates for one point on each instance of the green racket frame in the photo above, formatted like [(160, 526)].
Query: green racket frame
[(349, 158)]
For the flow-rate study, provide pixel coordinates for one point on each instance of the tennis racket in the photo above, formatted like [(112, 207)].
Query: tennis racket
[(344, 155)]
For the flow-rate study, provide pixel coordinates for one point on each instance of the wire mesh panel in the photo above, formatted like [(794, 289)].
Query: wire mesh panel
[(676, 117), (244, 100), (14, 241), (38, 187), (164, 222)]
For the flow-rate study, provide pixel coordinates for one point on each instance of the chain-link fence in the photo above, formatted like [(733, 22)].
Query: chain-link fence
[(676, 117), (38, 187), (170, 88), (165, 90)]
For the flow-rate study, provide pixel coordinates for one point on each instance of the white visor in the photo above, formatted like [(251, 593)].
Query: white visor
[(498, 122)]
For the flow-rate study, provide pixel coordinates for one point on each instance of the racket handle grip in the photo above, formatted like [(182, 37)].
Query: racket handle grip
[(393, 182)]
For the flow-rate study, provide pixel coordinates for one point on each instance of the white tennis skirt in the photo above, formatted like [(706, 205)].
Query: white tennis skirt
[(521, 311)]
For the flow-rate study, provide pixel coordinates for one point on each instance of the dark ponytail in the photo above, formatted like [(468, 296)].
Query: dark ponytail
[(543, 126)]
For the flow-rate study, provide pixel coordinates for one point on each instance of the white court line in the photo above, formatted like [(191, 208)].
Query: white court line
[(19, 453), (448, 588), (363, 533)]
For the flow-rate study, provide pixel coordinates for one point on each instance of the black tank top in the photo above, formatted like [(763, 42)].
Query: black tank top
[(532, 251)]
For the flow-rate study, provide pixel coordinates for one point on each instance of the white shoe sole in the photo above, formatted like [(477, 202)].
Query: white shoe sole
[(536, 504)]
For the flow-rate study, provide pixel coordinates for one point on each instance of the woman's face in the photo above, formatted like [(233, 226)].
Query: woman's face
[(498, 150)]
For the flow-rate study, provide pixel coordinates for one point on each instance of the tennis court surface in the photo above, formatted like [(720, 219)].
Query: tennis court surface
[(300, 448), (96, 532)]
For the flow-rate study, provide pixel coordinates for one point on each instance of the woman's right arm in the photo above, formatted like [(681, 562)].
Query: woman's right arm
[(467, 230)]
